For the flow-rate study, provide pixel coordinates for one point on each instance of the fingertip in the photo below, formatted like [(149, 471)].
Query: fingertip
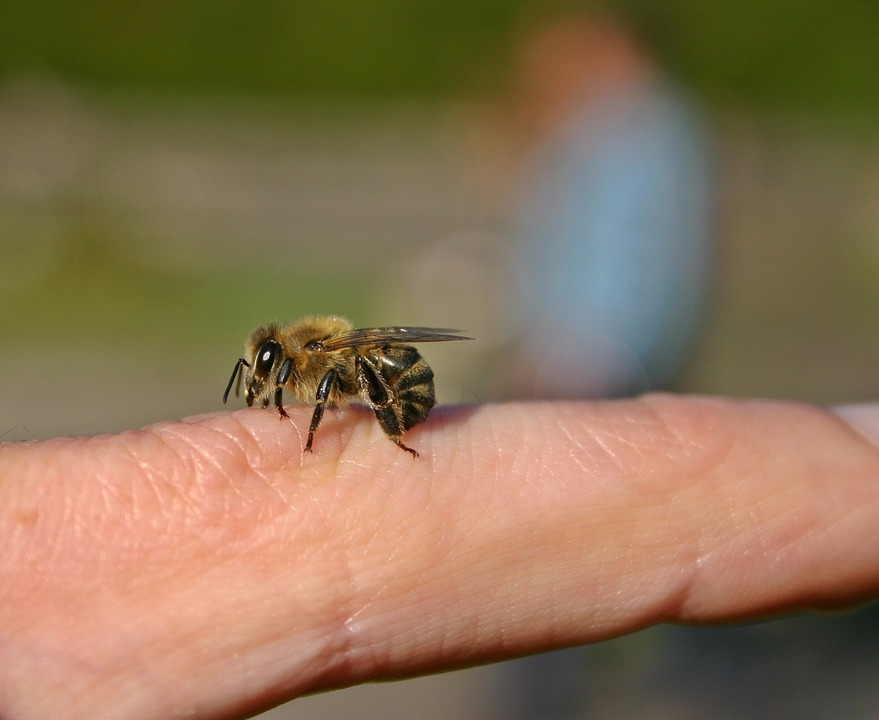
[(864, 418)]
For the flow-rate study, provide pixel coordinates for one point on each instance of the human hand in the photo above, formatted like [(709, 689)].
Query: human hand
[(211, 568)]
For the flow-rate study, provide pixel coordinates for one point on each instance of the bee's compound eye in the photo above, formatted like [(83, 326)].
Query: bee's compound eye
[(265, 358)]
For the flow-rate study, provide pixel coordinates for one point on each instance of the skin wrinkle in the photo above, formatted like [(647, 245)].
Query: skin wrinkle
[(711, 539), (262, 445), (659, 435), (177, 477), (607, 439), (238, 446), (685, 430), (578, 448), (323, 650), (198, 461), (343, 650), (688, 456), (378, 579), (35, 531), (234, 452), (369, 587), (533, 472), (241, 496), (610, 462), (803, 498), (60, 521), (231, 522), (603, 450), (860, 516), (160, 490), (448, 550), (665, 413), (816, 528)]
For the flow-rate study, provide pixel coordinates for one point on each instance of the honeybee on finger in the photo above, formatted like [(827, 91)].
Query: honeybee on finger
[(323, 360)]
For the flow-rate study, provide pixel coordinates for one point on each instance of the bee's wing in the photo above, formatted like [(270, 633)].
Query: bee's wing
[(371, 336)]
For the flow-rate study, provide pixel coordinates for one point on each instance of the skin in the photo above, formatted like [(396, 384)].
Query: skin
[(210, 568)]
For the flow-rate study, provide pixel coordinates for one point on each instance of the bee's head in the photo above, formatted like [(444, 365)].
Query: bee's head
[(261, 377), (264, 363), (264, 359)]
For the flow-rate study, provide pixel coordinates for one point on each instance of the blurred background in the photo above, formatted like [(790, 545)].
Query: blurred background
[(622, 195)]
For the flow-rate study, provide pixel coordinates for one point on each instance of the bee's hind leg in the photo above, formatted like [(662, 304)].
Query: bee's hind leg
[(381, 400), (391, 426)]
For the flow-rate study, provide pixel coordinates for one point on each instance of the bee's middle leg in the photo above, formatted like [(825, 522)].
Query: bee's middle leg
[(278, 404), (323, 392), (283, 376)]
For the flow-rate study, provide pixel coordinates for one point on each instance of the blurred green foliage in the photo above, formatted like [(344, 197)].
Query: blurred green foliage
[(811, 54), (93, 292)]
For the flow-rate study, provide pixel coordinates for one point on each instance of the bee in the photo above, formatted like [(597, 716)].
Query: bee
[(324, 360)]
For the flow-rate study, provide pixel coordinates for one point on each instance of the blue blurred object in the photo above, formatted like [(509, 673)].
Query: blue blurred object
[(616, 246), (615, 223)]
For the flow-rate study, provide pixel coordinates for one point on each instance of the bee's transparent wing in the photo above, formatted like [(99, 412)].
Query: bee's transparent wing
[(372, 336)]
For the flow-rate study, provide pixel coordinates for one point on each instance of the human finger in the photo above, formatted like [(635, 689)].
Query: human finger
[(214, 567)]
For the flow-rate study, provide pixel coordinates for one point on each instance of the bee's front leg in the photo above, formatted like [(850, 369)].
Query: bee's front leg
[(323, 392)]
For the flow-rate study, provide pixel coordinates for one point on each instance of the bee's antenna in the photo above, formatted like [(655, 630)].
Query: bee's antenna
[(236, 376)]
